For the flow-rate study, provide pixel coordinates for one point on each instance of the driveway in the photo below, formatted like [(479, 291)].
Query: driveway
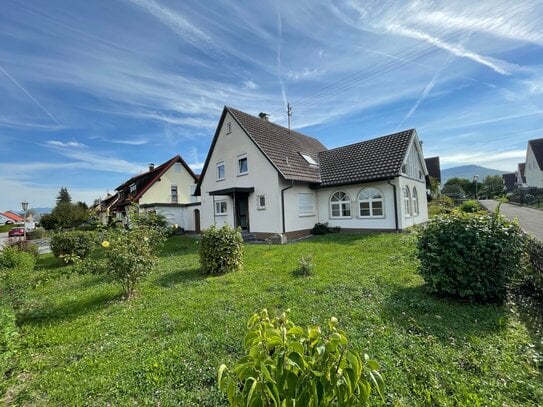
[(530, 219)]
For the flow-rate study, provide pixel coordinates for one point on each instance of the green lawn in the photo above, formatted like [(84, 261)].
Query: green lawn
[(81, 345)]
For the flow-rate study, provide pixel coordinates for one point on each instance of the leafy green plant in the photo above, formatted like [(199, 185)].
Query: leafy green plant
[(26, 246), (440, 205), (72, 245), (470, 206), (13, 258), (221, 250), (36, 233), (286, 365), (305, 266), (470, 256)]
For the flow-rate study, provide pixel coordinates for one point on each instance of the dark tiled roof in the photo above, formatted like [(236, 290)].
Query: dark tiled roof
[(107, 202), (521, 170), (433, 167), (537, 148), (282, 147), (370, 160), (509, 180)]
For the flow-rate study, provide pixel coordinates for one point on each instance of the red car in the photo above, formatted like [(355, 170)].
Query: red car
[(15, 232)]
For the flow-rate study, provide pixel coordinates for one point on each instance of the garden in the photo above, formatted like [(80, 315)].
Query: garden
[(80, 337)]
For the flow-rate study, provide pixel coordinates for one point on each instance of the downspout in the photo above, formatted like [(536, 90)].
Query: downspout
[(214, 210), (283, 205), (395, 202)]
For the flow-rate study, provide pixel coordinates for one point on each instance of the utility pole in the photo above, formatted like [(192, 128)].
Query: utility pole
[(289, 114)]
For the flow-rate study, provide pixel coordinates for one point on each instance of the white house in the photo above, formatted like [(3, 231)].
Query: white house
[(270, 180), (167, 189), (533, 169)]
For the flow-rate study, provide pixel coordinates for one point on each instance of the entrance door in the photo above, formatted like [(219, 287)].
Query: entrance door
[(197, 220), (242, 211)]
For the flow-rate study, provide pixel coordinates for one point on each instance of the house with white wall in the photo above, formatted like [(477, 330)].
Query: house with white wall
[(270, 180), (167, 190), (533, 169)]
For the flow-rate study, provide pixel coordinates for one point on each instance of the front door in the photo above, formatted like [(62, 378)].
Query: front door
[(242, 211)]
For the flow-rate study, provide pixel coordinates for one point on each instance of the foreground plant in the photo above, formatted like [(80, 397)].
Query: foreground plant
[(287, 365)]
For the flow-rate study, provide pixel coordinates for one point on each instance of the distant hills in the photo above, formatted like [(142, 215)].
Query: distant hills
[(468, 171)]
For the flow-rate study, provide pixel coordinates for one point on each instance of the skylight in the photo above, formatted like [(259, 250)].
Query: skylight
[(309, 160)]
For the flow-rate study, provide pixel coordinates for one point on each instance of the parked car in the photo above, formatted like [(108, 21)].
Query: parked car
[(15, 232)]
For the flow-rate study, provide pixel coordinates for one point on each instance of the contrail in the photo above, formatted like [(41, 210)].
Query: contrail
[(29, 95), (280, 32)]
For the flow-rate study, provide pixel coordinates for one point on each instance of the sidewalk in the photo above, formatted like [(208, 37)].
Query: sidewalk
[(531, 220)]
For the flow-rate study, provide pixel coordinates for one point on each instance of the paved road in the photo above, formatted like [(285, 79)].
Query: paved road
[(531, 220), (43, 244)]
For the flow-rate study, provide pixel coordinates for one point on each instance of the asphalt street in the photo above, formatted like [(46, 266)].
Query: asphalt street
[(530, 219)]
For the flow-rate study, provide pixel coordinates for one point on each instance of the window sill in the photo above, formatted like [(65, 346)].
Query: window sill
[(220, 179), (242, 174), (341, 217), (221, 214), (372, 217), (305, 215)]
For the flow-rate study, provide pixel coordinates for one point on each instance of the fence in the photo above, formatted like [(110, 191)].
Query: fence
[(528, 196)]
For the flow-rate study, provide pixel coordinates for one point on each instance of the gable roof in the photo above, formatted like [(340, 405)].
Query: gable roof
[(281, 146), (13, 216), (521, 170), (370, 160), (146, 180), (537, 148), (434, 168)]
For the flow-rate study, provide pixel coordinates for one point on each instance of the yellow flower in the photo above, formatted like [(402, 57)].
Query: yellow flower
[(105, 244)]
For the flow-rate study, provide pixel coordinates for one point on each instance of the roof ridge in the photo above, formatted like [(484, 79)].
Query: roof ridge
[(371, 139)]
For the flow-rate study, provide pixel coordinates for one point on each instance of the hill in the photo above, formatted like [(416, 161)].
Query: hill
[(468, 171)]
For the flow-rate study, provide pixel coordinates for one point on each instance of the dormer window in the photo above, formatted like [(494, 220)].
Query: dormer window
[(132, 188), (309, 159)]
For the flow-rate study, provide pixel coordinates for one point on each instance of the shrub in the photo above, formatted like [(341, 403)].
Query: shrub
[(26, 246), (72, 245), (305, 266), (533, 277), (286, 365), (129, 255), (471, 256), (440, 205), (323, 228), (470, 206), (12, 258), (36, 233), (221, 250)]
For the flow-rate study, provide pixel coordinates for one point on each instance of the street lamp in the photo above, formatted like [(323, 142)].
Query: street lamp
[(475, 178), (25, 208)]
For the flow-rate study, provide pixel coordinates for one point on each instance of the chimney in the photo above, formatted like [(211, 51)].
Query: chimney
[(264, 116), (151, 167)]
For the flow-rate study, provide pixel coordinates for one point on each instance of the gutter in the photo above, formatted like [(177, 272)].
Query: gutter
[(395, 203), (283, 204)]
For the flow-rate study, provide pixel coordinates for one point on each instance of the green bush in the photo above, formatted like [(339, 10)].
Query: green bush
[(533, 273), (11, 258), (440, 205), (470, 256), (470, 206), (72, 245), (305, 266), (221, 250), (286, 365), (129, 255), (26, 246), (36, 233)]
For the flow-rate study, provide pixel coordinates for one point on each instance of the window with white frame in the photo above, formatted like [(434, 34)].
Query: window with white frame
[(220, 208), (173, 190), (261, 202), (228, 127), (243, 167), (192, 190), (415, 202), (407, 201), (220, 171), (370, 203), (306, 204), (132, 188), (340, 205)]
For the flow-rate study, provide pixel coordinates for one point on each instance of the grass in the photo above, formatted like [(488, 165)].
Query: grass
[(82, 345)]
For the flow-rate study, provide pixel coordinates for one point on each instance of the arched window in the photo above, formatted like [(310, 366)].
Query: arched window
[(407, 201), (415, 202), (340, 205), (370, 203)]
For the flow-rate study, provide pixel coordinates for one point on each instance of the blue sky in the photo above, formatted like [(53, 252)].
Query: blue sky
[(91, 92)]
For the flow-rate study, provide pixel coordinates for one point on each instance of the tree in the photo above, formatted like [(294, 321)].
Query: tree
[(492, 186), (66, 214), (64, 196), (468, 186)]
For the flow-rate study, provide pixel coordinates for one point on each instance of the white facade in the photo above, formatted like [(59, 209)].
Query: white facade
[(534, 174)]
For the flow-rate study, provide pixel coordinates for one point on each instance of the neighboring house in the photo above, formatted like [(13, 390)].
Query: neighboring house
[(521, 176), (434, 171), (534, 163), (270, 180), (10, 217), (510, 181), (167, 189), (103, 208)]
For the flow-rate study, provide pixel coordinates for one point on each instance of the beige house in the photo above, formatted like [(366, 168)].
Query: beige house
[(270, 180), (167, 189), (533, 169)]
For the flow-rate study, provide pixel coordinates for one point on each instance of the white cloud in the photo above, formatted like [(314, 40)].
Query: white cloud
[(306, 73), (249, 85), (67, 144)]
